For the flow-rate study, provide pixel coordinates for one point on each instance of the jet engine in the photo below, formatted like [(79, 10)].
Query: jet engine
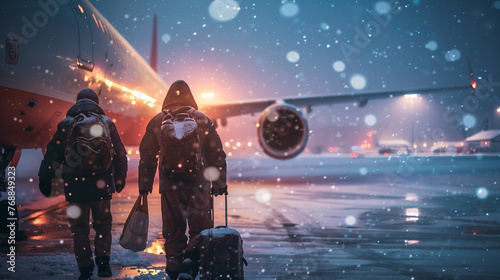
[(282, 131)]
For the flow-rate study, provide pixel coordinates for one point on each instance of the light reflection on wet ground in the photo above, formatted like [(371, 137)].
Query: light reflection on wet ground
[(333, 222)]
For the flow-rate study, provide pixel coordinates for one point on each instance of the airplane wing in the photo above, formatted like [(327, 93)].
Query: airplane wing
[(225, 110), (282, 128)]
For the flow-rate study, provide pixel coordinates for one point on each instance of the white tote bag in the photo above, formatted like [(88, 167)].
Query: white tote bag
[(135, 231)]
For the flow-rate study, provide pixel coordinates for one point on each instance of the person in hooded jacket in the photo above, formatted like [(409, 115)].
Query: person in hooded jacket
[(86, 194), (182, 197)]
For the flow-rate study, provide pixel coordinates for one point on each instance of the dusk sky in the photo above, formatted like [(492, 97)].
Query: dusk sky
[(242, 50)]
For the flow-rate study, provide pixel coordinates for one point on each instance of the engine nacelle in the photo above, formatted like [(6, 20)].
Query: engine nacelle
[(282, 131)]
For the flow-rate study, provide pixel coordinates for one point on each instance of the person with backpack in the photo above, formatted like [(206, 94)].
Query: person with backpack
[(182, 143), (87, 154)]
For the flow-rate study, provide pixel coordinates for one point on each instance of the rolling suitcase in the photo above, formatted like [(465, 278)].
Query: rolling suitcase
[(221, 252)]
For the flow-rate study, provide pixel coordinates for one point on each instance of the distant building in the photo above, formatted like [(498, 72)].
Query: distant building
[(484, 141), (448, 147), (396, 146)]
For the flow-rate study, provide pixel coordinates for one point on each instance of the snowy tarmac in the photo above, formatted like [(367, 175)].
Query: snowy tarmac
[(419, 217)]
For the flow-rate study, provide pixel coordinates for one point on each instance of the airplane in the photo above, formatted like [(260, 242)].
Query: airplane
[(55, 48)]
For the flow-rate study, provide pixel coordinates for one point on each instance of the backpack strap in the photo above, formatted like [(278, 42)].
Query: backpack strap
[(185, 109), (168, 115)]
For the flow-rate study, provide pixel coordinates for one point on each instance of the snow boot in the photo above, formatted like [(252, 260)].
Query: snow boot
[(86, 273), (185, 276), (103, 268), (188, 268), (172, 274)]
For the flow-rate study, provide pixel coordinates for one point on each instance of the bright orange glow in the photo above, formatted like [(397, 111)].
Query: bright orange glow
[(208, 95), (146, 99), (333, 149), (474, 84), (102, 28), (354, 155), (138, 94), (109, 84), (37, 237), (105, 29), (40, 221), (81, 9), (155, 248), (369, 134), (96, 23), (366, 145)]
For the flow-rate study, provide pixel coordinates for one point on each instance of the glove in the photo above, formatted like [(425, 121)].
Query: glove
[(45, 187), (119, 185), (217, 190)]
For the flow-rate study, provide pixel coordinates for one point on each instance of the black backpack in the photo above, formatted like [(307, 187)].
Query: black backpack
[(89, 149), (180, 144)]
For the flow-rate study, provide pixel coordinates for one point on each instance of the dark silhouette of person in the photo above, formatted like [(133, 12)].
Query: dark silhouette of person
[(86, 193), (184, 197)]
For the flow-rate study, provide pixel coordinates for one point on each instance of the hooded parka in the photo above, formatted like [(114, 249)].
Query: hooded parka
[(180, 99), (83, 188)]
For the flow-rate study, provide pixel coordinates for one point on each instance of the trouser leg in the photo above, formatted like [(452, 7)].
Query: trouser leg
[(177, 207), (80, 228), (199, 218), (101, 213), (174, 228)]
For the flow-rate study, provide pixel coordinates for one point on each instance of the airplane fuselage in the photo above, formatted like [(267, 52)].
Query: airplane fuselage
[(55, 48)]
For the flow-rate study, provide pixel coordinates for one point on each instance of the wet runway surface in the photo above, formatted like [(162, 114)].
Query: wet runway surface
[(318, 218)]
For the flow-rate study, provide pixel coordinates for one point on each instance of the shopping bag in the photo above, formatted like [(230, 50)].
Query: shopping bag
[(135, 231)]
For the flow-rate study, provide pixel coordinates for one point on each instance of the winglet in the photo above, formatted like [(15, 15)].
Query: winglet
[(473, 82), (154, 47)]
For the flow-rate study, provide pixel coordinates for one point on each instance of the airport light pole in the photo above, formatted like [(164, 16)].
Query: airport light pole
[(411, 97), (493, 119)]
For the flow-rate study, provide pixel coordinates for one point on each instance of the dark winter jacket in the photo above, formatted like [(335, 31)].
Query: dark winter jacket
[(180, 99), (82, 188)]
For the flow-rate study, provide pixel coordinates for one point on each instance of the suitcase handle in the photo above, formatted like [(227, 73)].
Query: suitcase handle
[(213, 211)]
